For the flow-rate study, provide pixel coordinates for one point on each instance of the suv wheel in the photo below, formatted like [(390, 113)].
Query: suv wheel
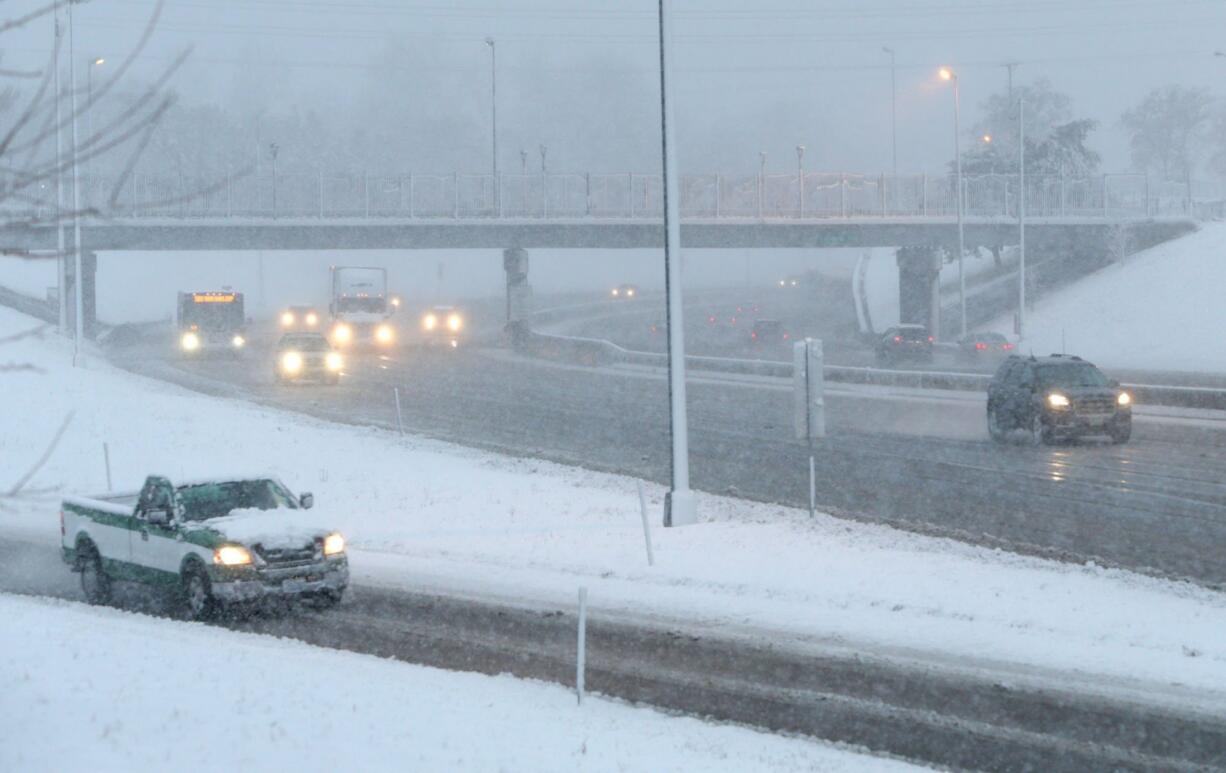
[(995, 430), (198, 598), (95, 583), (1121, 432), (1039, 434)]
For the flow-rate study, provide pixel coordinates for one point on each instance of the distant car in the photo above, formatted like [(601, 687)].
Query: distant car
[(981, 346), (307, 357), (442, 326), (790, 281), (625, 292), (750, 307), (766, 332), (904, 342), (300, 318), (1056, 397), (658, 328)]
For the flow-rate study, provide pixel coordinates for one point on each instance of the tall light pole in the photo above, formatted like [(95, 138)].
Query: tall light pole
[(800, 176), (494, 117), (61, 259), (94, 61), (761, 184), (893, 112), (680, 507), (949, 75), (523, 162), (1021, 218), (78, 298), (544, 183)]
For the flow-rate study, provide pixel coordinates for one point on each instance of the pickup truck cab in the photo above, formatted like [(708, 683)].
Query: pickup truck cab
[(217, 543)]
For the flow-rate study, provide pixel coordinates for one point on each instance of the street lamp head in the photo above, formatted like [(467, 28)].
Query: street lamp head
[(888, 50), (800, 151), (100, 60), (947, 74), (987, 138)]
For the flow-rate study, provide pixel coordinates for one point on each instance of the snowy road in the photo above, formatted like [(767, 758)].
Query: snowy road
[(946, 713), (922, 462)]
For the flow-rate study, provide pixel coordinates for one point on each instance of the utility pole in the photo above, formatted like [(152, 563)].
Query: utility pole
[(800, 176), (273, 148), (1021, 218), (61, 260), (893, 112), (1009, 68), (78, 298), (948, 74), (680, 507), (494, 117)]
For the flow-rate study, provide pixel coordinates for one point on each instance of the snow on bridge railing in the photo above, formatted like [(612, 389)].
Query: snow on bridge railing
[(630, 196)]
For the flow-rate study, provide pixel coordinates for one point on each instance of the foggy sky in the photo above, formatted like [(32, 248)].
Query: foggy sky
[(580, 76)]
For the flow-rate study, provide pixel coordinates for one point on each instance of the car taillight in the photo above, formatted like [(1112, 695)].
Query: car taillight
[(931, 339), (1006, 347), (981, 346), (898, 339), (754, 336), (786, 336), (711, 320), (732, 321)]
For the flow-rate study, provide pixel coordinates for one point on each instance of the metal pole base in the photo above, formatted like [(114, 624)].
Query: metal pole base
[(680, 508)]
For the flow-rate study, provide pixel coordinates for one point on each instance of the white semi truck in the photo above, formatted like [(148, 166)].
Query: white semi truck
[(361, 308)]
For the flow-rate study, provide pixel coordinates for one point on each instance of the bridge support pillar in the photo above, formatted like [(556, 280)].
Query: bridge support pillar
[(89, 303), (919, 288), (519, 293)]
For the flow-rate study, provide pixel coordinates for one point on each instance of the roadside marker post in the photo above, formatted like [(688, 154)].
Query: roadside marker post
[(581, 660), (808, 389), (106, 460), (399, 420), (646, 525)]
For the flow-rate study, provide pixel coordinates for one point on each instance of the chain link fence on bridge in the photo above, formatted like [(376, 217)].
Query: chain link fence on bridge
[(563, 196)]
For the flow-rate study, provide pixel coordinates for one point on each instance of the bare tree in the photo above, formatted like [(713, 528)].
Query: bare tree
[(1168, 132)]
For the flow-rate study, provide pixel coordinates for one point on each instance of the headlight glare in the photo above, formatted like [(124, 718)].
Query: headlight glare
[(1057, 400), (238, 342), (334, 544), (232, 555), (384, 334), (429, 322), (334, 361), (287, 319), (342, 334), (190, 342), (455, 322), (1124, 399), (312, 318), (291, 362)]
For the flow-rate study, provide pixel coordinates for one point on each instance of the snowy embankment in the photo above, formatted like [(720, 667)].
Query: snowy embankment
[(1160, 309), (86, 689), (431, 515)]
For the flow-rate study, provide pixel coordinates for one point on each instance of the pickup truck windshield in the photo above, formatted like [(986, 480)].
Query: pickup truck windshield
[(202, 501)]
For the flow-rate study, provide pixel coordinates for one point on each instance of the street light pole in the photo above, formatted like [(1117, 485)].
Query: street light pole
[(949, 75), (78, 300), (1021, 218), (680, 507), (61, 260), (893, 112), (94, 61), (800, 176), (761, 183), (494, 117)]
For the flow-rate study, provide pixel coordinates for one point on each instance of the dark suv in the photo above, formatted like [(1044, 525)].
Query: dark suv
[(1057, 397)]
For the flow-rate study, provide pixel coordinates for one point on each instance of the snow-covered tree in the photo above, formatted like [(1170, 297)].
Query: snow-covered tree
[(1168, 130)]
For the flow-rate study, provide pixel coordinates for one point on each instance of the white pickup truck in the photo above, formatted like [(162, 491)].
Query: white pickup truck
[(217, 543)]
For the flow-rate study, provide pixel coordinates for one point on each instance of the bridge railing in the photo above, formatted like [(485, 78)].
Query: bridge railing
[(811, 195)]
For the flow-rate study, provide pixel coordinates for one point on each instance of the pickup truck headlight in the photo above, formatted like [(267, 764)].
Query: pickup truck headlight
[(1124, 399), (1057, 400), (291, 362), (287, 319), (455, 322), (190, 342), (429, 322), (232, 555), (334, 361), (334, 544)]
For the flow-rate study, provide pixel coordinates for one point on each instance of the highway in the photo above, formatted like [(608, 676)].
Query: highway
[(920, 460)]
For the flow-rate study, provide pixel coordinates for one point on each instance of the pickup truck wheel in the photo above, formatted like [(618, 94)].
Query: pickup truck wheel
[(95, 583), (198, 595)]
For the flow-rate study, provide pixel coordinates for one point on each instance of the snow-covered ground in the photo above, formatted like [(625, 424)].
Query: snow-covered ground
[(1160, 309), (84, 688), (432, 515)]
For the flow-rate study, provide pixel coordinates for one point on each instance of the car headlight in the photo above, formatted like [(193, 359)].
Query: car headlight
[(455, 322), (287, 319), (1057, 400), (630, 293), (334, 544), (384, 334), (616, 292), (334, 361), (232, 555), (1124, 399), (429, 322), (312, 318), (291, 362), (238, 342), (342, 334), (190, 342)]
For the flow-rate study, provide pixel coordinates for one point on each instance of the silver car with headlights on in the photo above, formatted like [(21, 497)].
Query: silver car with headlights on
[(303, 357)]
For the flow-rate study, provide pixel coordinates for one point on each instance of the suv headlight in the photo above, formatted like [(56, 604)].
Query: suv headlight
[(287, 319), (334, 361), (1124, 399), (334, 544), (291, 362), (455, 322), (1057, 400), (232, 555), (429, 322)]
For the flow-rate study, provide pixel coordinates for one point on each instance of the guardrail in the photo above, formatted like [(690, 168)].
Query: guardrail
[(595, 351)]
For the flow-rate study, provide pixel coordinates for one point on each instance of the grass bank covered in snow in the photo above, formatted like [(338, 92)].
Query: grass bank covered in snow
[(1160, 309), (86, 689), (430, 515)]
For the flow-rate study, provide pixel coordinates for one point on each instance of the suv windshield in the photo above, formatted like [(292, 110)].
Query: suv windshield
[(213, 500), (1071, 374)]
